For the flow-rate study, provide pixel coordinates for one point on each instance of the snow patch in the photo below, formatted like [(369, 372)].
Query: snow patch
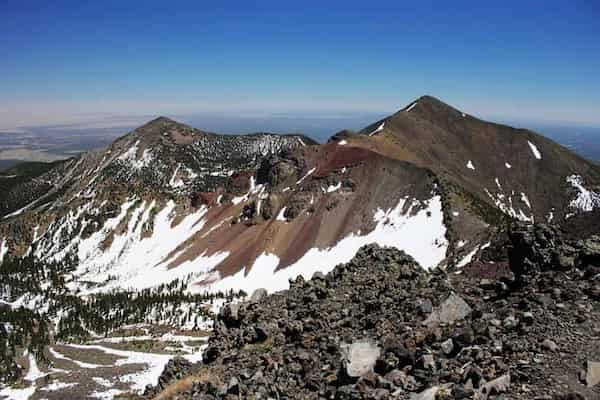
[(525, 200), (470, 165), (535, 150), (134, 261), (175, 181), (379, 129), (421, 235), (500, 200), (280, 216), (586, 200), (154, 363), (507, 165), (17, 394), (310, 172), (33, 372), (498, 183), (467, 259), (334, 188), (3, 249), (411, 106), (342, 142)]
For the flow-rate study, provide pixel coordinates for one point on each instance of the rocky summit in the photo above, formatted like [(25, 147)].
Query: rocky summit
[(523, 322)]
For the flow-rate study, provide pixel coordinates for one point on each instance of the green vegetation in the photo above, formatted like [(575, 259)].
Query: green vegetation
[(38, 297)]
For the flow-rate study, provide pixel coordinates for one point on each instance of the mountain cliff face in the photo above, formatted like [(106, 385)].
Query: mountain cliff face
[(222, 212)]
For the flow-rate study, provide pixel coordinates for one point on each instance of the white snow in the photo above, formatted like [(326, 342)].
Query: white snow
[(54, 386), (33, 372), (460, 243), (334, 188), (525, 200), (507, 165), (507, 208), (470, 165), (130, 157), (280, 216), (3, 249), (175, 181), (411, 106), (420, 235), (455, 213), (17, 394), (138, 380), (342, 142), (379, 129), (586, 200), (467, 259), (254, 189), (310, 172), (20, 210), (136, 262), (498, 183), (107, 395), (535, 150)]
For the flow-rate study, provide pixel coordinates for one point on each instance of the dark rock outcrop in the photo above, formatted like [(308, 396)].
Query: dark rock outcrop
[(380, 327)]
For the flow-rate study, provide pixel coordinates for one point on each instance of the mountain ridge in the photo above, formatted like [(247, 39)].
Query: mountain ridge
[(244, 216), (168, 222)]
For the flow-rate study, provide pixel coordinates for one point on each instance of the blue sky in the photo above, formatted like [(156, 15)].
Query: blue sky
[(533, 60)]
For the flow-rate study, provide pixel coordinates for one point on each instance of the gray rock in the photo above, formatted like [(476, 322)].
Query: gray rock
[(592, 377), (427, 394), (318, 275), (428, 361), (454, 308), (425, 306), (510, 322), (497, 386), (549, 345), (447, 346), (258, 295), (360, 357)]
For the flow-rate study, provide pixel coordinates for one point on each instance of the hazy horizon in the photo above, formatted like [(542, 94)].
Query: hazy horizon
[(65, 62)]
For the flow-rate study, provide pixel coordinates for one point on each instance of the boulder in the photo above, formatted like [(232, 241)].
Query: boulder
[(360, 357), (453, 309), (592, 377), (497, 386)]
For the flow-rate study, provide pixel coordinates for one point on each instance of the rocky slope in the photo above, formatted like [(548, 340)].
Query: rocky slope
[(224, 212), (522, 173), (521, 322), (158, 229)]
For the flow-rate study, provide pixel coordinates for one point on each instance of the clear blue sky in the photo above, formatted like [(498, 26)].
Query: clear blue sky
[(536, 60)]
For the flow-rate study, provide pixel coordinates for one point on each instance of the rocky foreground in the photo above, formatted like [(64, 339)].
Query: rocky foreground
[(521, 322)]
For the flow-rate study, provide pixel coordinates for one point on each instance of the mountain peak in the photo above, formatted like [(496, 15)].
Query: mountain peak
[(160, 122), (427, 104)]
